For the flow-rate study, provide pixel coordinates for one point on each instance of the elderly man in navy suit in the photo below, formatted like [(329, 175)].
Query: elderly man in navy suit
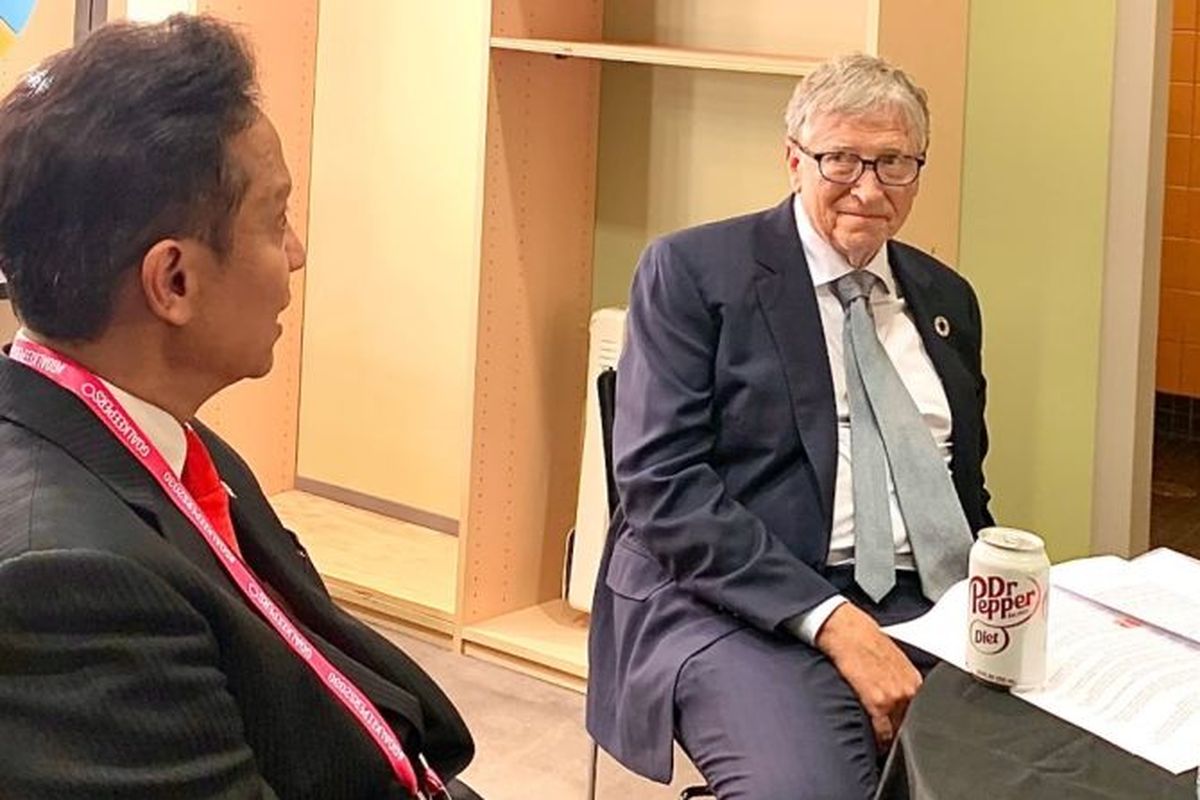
[(798, 446)]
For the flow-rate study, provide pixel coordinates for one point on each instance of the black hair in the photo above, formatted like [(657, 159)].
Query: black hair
[(111, 146)]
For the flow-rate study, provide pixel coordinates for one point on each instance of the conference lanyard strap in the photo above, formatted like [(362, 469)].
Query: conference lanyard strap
[(78, 380)]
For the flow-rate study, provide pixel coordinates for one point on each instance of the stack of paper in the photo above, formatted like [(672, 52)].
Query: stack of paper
[(1124, 651)]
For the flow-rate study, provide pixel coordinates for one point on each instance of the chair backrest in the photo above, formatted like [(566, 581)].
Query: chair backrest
[(606, 390)]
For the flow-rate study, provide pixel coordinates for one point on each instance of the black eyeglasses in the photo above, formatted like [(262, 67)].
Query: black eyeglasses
[(846, 168)]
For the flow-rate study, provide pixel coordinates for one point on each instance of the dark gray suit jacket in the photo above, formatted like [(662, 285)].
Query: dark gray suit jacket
[(131, 667), (725, 450)]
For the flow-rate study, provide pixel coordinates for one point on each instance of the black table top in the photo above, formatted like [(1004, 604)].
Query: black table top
[(962, 739)]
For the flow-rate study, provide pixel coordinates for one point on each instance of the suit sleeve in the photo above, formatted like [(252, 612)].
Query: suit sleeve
[(674, 499), (110, 687), (447, 743)]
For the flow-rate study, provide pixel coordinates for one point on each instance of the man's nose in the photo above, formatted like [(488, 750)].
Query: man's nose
[(867, 189), (294, 248)]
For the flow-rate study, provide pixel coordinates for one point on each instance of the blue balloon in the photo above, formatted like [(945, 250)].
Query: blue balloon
[(15, 13)]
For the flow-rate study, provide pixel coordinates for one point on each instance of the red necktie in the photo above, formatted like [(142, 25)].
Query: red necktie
[(201, 480)]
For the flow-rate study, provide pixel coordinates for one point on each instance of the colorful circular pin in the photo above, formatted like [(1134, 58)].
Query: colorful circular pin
[(941, 325)]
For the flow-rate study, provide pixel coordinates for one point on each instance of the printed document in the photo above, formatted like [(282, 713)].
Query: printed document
[(1124, 651)]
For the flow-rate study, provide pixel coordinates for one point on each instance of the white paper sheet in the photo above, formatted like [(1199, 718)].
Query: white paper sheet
[(1180, 571), (1123, 680), (942, 630), (1161, 588)]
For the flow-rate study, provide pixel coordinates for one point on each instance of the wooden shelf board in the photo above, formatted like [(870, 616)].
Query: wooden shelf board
[(547, 640), (383, 612), (382, 607), (525, 666), (764, 64), (393, 569)]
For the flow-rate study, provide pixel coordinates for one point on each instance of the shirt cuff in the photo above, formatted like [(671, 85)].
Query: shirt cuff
[(806, 626)]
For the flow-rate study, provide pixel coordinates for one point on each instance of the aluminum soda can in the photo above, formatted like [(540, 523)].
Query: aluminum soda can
[(1006, 625)]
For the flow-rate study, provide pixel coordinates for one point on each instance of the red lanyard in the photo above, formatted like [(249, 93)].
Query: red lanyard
[(87, 387)]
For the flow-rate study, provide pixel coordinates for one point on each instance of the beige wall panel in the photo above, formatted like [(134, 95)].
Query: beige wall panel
[(51, 27), (928, 39), (535, 292), (394, 250), (679, 147), (791, 27), (259, 417)]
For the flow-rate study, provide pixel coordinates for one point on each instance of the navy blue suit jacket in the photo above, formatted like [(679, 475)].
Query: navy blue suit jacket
[(725, 451)]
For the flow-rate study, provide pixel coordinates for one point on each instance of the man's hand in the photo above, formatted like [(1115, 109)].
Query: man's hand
[(876, 669)]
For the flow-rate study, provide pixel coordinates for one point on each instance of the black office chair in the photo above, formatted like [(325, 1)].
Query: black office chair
[(606, 389)]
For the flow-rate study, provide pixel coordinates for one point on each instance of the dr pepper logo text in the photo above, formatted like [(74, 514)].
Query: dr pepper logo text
[(998, 605)]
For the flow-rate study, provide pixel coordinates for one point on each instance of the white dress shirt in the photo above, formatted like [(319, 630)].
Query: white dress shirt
[(159, 427), (902, 342)]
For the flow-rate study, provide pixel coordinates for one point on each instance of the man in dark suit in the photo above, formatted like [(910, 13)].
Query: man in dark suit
[(759, 547), (157, 643)]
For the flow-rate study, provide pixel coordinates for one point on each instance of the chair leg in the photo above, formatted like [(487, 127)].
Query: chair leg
[(592, 769)]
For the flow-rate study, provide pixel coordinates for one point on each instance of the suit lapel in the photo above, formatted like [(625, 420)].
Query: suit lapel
[(926, 304), (266, 545), (36, 403), (789, 303)]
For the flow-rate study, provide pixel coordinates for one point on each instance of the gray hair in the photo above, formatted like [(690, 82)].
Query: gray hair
[(856, 85)]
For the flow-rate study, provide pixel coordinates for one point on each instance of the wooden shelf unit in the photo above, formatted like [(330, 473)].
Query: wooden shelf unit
[(759, 64)]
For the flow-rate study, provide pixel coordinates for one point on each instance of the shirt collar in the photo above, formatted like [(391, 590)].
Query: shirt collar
[(825, 264), (163, 430)]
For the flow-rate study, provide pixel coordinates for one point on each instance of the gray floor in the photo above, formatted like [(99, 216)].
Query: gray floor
[(529, 734)]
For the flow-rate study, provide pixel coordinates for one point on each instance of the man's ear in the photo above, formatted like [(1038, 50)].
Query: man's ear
[(791, 157), (169, 281)]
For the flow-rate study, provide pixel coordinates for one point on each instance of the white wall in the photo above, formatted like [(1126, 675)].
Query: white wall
[(157, 10)]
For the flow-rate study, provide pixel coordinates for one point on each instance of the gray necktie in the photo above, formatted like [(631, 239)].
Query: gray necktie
[(884, 421)]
